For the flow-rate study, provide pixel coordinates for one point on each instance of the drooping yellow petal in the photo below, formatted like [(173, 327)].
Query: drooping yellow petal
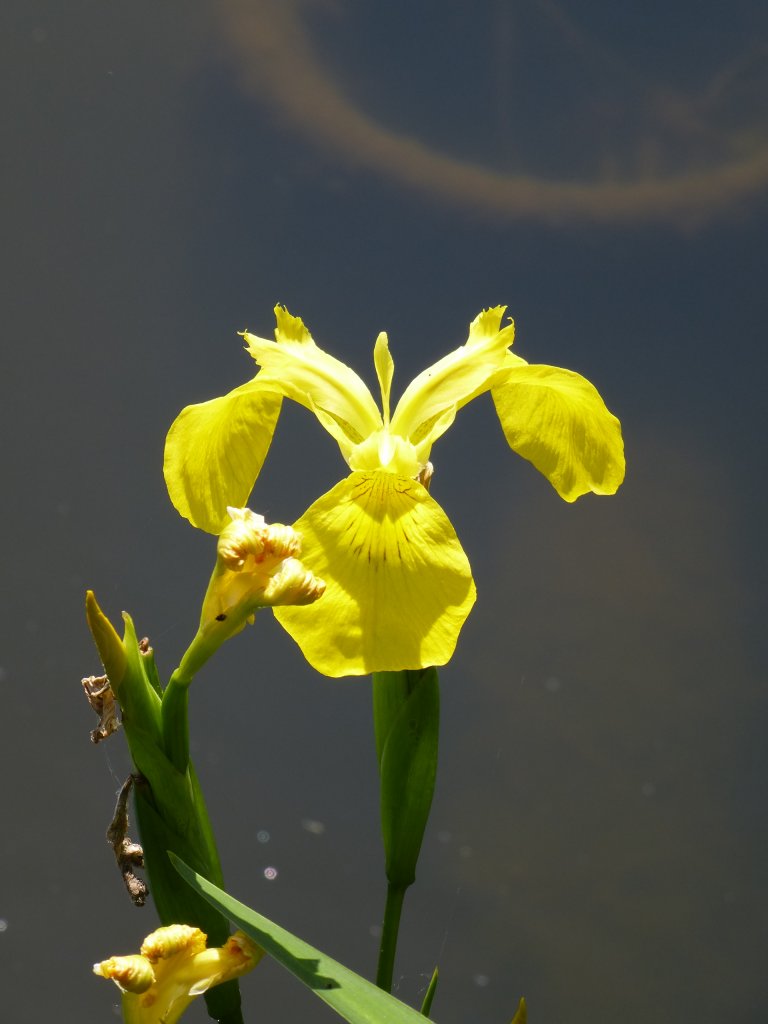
[(299, 369), (398, 584), (214, 452), (429, 403), (557, 420)]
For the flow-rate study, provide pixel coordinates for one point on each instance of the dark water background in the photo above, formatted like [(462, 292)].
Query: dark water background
[(598, 840)]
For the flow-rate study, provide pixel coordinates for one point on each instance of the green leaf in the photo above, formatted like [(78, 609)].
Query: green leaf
[(150, 668), (176, 903), (352, 997), (390, 692), (426, 1006), (408, 765)]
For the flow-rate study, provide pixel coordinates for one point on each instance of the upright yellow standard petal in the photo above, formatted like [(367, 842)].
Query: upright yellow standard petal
[(385, 371), (557, 420), (299, 369), (429, 403), (214, 452), (398, 584)]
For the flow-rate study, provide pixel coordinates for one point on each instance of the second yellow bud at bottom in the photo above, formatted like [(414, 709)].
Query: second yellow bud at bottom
[(174, 967)]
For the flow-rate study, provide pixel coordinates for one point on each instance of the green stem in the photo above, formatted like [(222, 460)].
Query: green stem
[(389, 931), (175, 712)]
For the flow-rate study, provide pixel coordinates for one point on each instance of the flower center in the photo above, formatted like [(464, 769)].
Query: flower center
[(383, 450)]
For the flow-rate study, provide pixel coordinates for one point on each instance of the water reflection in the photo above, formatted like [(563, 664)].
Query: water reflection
[(649, 148)]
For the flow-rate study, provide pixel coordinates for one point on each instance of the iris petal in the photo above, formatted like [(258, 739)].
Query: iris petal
[(297, 368), (214, 452), (424, 411), (557, 420), (398, 583), (385, 369)]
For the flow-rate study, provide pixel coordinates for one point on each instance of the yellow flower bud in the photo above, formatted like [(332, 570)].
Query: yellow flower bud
[(173, 938), (293, 584), (256, 566), (248, 541), (173, 968), (130, 973), (108, 643)]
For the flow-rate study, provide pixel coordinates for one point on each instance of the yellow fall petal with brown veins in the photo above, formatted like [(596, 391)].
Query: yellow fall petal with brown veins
[(398, 583)]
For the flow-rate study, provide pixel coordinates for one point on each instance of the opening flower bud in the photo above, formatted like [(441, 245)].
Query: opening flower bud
[(256, 567), (293, 584), (173, 967)]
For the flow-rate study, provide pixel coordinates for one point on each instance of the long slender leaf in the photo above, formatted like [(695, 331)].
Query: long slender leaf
[(354, 998), (426, 1006)]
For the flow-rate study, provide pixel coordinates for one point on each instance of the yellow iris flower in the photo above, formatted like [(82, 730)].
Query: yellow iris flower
[(173, 968), (398, 583)]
